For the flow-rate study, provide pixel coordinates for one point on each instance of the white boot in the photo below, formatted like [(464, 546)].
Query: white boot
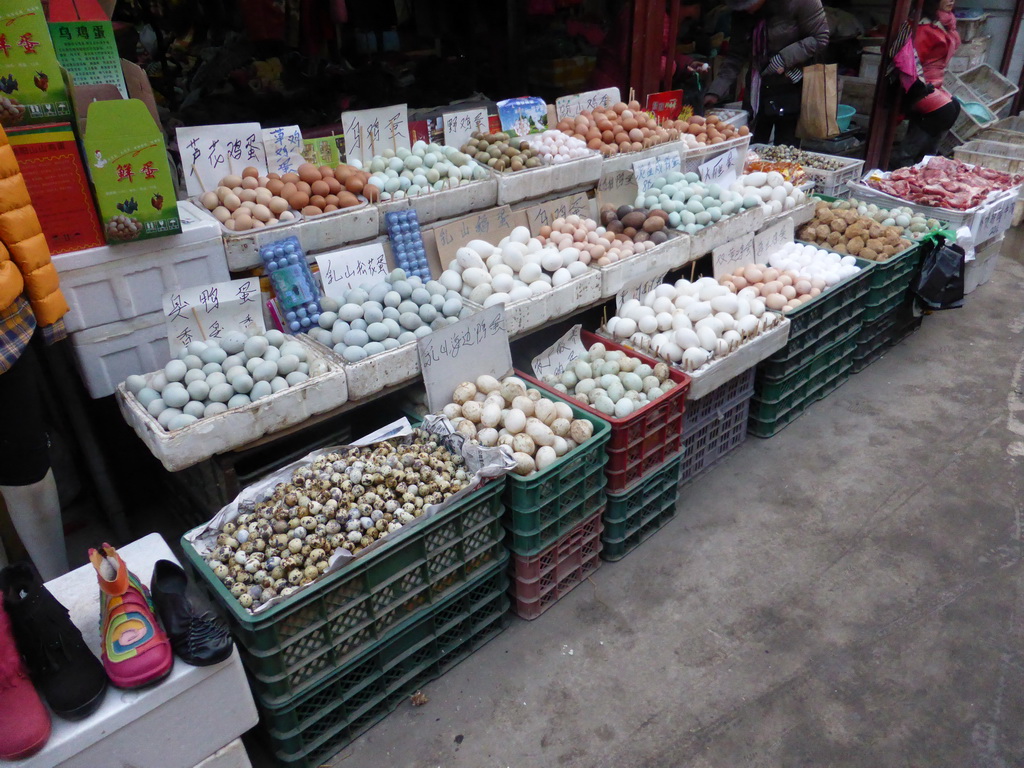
[(35, 512)]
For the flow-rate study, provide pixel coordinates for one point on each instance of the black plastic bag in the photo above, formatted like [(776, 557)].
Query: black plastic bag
[(939, 283)]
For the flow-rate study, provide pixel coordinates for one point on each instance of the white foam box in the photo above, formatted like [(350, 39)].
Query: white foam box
[(673, 253), (579, 292), (524, 315), (979, 271), (325, 231), (624, 161), (694, 158), (238, 427), (110, 283), (183, 720), (444, 204), (726, 230), (580, 174), (109, 354), (387, 369), (800, 214)]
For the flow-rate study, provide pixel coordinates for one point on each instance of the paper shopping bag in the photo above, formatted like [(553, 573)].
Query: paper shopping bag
[(819, 102)]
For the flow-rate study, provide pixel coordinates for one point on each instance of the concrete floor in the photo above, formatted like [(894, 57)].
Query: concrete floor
[(848, 593)]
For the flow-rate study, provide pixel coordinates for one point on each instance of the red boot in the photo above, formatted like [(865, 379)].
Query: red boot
[(24, 721)]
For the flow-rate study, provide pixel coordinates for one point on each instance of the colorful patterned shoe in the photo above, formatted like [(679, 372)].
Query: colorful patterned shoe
[(135, 652)]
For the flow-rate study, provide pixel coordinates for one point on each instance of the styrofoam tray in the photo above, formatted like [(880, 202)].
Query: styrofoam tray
[(579, 174), (444, 204), (624, 161), (726, 230), (108, 354), (525, 315), (980, 269), (389, 368), (238, 427), (673, 253), (800, 214), (106, 284)]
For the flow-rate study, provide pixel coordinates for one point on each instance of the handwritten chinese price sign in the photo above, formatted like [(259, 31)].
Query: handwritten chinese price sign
[(651, 168), (341, 270), (736, 253), (616, 188), (459, 127), (490, 225), (369, 132), (560, 356), (719, 170), (462, 351), (284, 148), (637, 289), (572, 105), (542, 215), (210, 311), (211, 152), (768, 242)]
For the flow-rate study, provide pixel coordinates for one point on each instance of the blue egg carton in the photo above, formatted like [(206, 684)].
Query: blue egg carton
[(407, 242), (295, 287)]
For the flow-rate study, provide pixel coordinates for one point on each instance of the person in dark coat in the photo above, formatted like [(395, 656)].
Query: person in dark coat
[(777, 38)]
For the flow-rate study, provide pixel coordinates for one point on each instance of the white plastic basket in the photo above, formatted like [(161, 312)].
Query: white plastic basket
[(831, 183)]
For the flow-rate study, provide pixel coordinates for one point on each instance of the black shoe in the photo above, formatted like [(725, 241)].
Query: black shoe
[(199, 640), (67, 674)]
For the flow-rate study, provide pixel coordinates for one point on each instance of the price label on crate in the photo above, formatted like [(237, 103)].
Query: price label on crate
[(719, 170), (617, 188), (573, 104), (647, 170), (209, 311), (459, 127), (560, 356), (772, 239), (490, 225), (996, 220), (341, 270), (462, 351), (369, 132), (211, 152), (637, 289), (736, 253), (545, 213)]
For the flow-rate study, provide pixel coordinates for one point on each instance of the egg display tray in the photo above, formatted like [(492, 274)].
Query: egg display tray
[(238, 427), (581, 173), (443, 204), (624, 160), (672, 254), (726, 230), (372, 374)]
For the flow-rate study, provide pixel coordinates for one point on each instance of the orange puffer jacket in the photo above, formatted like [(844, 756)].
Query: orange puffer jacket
[(24, 255)]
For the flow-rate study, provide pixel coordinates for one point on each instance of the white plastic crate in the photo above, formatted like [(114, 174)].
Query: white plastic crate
[(995, 90), (970, 55), (109, 354), (580, 174), (1008, 158), (735, 117), (971, 28), (110, 283), (980, 270), (444, 204), (831, 183)]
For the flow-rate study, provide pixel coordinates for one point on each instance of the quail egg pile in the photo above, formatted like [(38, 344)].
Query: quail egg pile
[(783, 153), (518, 267), (209, 377), (421, 170), (612, 382), (344, 500), (692, 205), (557, 147), (690, 324), (506, 412), (501, 152), (377, 317), (914, 225), (772, 190), (604, 245)]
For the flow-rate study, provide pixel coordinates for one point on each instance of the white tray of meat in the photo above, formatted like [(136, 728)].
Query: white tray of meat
[(962, 195)]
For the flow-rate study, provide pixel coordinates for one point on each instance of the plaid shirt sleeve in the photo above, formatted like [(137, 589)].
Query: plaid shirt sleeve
[(17, 324), (54, 333)]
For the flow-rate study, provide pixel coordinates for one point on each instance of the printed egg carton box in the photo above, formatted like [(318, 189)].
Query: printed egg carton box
[(229, 428)]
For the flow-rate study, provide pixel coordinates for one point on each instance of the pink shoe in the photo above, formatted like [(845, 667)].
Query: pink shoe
[(135, 652), (24, 721)]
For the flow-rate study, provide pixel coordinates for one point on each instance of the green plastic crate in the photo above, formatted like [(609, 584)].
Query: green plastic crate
[(634, 516), (312, 727), (777, 404), (297, 643), (885, 332), (532, 531)]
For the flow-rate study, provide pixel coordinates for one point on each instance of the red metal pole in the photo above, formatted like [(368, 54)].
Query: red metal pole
[(637, 49), (670, 52), (1011, 41)]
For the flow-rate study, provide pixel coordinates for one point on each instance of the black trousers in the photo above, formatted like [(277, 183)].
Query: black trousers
[(24, 444), (924, 132)]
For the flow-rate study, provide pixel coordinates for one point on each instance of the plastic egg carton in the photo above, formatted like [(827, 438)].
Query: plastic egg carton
[(579, 174), (726, 230), (624, 161), (444, 204), (238, 427), (673, 253)]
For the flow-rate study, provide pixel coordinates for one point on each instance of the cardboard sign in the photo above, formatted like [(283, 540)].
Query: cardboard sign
[(572, 105), (369, 132), (341, 270), (490, 225), (523, 116), (996, 220), (131, 176), (719, 170), (211, 152), (32, 90), (666, 105), (459, 127), (647, 170), (283, 147), (83, 38), (772, 239), (736, 253), (559, 357), (617, 188), (462, 351), (637, 289), (542, 215), (210, 311)]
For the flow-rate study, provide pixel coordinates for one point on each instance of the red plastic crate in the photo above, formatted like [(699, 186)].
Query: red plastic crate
[(540, 581), (646, 439)]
